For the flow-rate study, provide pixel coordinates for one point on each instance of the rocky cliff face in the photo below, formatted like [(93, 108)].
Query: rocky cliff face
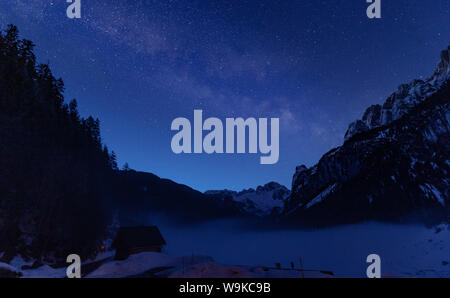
[(401, 101), (394, 164)]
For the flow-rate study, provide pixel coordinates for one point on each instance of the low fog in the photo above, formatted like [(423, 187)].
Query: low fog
[(405, 250)]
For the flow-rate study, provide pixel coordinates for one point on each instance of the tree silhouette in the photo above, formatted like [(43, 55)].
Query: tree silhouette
[(56, 174), (126, 167)]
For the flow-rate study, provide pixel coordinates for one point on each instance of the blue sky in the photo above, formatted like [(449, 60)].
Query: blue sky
[(316, 65)]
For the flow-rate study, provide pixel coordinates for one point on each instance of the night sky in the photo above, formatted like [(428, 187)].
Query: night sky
[(316, 65)]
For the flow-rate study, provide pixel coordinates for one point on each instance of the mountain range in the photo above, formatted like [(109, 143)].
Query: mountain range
[(262, 201), (59, 179), (393, 166)]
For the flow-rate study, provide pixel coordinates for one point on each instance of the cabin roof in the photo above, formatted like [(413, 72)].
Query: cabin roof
[(138, 237)]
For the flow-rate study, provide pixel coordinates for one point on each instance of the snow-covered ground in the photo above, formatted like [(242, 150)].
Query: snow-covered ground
[(162, 265), (144, 262), (7, 270), (46, 271)]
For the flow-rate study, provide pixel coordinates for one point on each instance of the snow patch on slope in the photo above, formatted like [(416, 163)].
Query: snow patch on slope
[(320, 197), (431, 190)]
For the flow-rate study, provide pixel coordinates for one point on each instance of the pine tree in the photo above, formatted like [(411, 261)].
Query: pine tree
[(56, 174), (73, 111), (113, 159), (126, 167)]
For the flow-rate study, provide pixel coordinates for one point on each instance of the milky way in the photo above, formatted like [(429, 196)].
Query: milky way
[(316, 65)]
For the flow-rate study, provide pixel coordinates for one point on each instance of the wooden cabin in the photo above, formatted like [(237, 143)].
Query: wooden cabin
[(133, 240)]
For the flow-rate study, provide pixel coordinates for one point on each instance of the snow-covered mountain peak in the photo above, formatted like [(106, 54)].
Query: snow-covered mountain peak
[(443, 68), (394, 164), (264, 200)]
